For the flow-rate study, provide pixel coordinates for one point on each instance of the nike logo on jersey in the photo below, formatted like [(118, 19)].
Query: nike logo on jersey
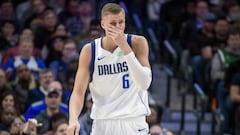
[(100, 58), (141, 129)]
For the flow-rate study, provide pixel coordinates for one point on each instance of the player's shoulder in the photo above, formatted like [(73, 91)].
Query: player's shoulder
[(88, 46), (138, 39)]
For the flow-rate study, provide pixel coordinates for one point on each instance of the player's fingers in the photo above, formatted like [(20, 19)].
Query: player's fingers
[(77, 130), (70, 130)]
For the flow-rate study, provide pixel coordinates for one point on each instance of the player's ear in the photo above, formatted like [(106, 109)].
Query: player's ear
[(102, 24)]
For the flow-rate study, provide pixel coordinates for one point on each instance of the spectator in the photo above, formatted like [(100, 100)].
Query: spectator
[(53, 100), (23, 10), (85, 12), (190, 27), (30, 127), (8, 98), (8, 13), (25, 57), (13, 51), (54, 121), (23, 84), (94, 32), (60, 6), (222, 28), (38, 94), (4, 86), (71, 19), (39, 106), (234, 12), (7, 115), (16, 126), (206, 33), (227, 110), (60, 66), (43, 32), (222, 59), (71, 71), (8, 36), (38, 6), (61, 129), (61, 30), (55, 47)]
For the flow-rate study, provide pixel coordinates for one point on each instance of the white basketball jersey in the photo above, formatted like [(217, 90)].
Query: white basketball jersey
[(114, 94)]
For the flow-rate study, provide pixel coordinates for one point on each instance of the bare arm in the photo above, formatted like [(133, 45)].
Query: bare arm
[(234, 93), (79, 89), (141, 50)]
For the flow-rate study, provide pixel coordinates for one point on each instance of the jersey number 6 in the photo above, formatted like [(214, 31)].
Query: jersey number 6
[(125, 81)]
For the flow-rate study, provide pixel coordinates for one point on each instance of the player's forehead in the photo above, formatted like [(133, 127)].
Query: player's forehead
[(114, 17)]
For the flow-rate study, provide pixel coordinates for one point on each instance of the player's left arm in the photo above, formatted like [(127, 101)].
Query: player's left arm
[(141, 50), (138, 62)]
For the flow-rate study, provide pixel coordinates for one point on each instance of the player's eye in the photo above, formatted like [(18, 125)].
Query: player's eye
[(113, 23)]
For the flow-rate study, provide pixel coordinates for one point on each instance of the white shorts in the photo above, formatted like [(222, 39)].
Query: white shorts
[(131, 126)]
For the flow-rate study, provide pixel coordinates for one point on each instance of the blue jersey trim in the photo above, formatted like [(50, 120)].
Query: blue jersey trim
[(92, 59), (129, 39)]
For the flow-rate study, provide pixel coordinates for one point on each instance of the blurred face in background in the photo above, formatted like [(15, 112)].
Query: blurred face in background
[(16, 126), (201, 9), (69, 48), (234, 41), (234, 12), (7, 101), (45, 79), (62, 129), (222, 27), (23, 73), (26, 49), (53, 100), (190, 8), (8, 29), (58, 44), (73, 7), (85, 9), (7, 9), (8, 114), (27, 32), (38, 6), (50, 19), (208, 26), (61, 30)]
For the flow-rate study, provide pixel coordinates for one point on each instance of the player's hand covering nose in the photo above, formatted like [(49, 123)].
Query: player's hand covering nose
[(117, 35)]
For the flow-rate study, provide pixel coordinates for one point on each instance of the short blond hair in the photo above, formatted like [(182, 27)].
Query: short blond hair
[(111, 8)]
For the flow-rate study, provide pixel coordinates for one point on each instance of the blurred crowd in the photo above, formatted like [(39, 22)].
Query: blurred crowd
[(40, 42)]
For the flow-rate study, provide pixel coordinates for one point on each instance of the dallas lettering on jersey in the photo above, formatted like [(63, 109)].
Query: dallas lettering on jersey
[(109, 69)]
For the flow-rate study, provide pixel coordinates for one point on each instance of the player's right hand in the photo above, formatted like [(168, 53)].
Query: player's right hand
[(73, 128)]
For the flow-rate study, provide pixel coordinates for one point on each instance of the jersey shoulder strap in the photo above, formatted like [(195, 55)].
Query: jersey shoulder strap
[(93, 44)]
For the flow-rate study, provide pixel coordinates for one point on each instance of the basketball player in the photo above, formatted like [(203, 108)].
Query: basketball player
[(118, 72)]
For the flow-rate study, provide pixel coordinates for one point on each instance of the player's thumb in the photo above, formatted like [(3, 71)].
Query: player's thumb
[(77, 129)]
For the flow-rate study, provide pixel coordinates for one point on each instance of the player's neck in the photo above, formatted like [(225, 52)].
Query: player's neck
[(108, 44)]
